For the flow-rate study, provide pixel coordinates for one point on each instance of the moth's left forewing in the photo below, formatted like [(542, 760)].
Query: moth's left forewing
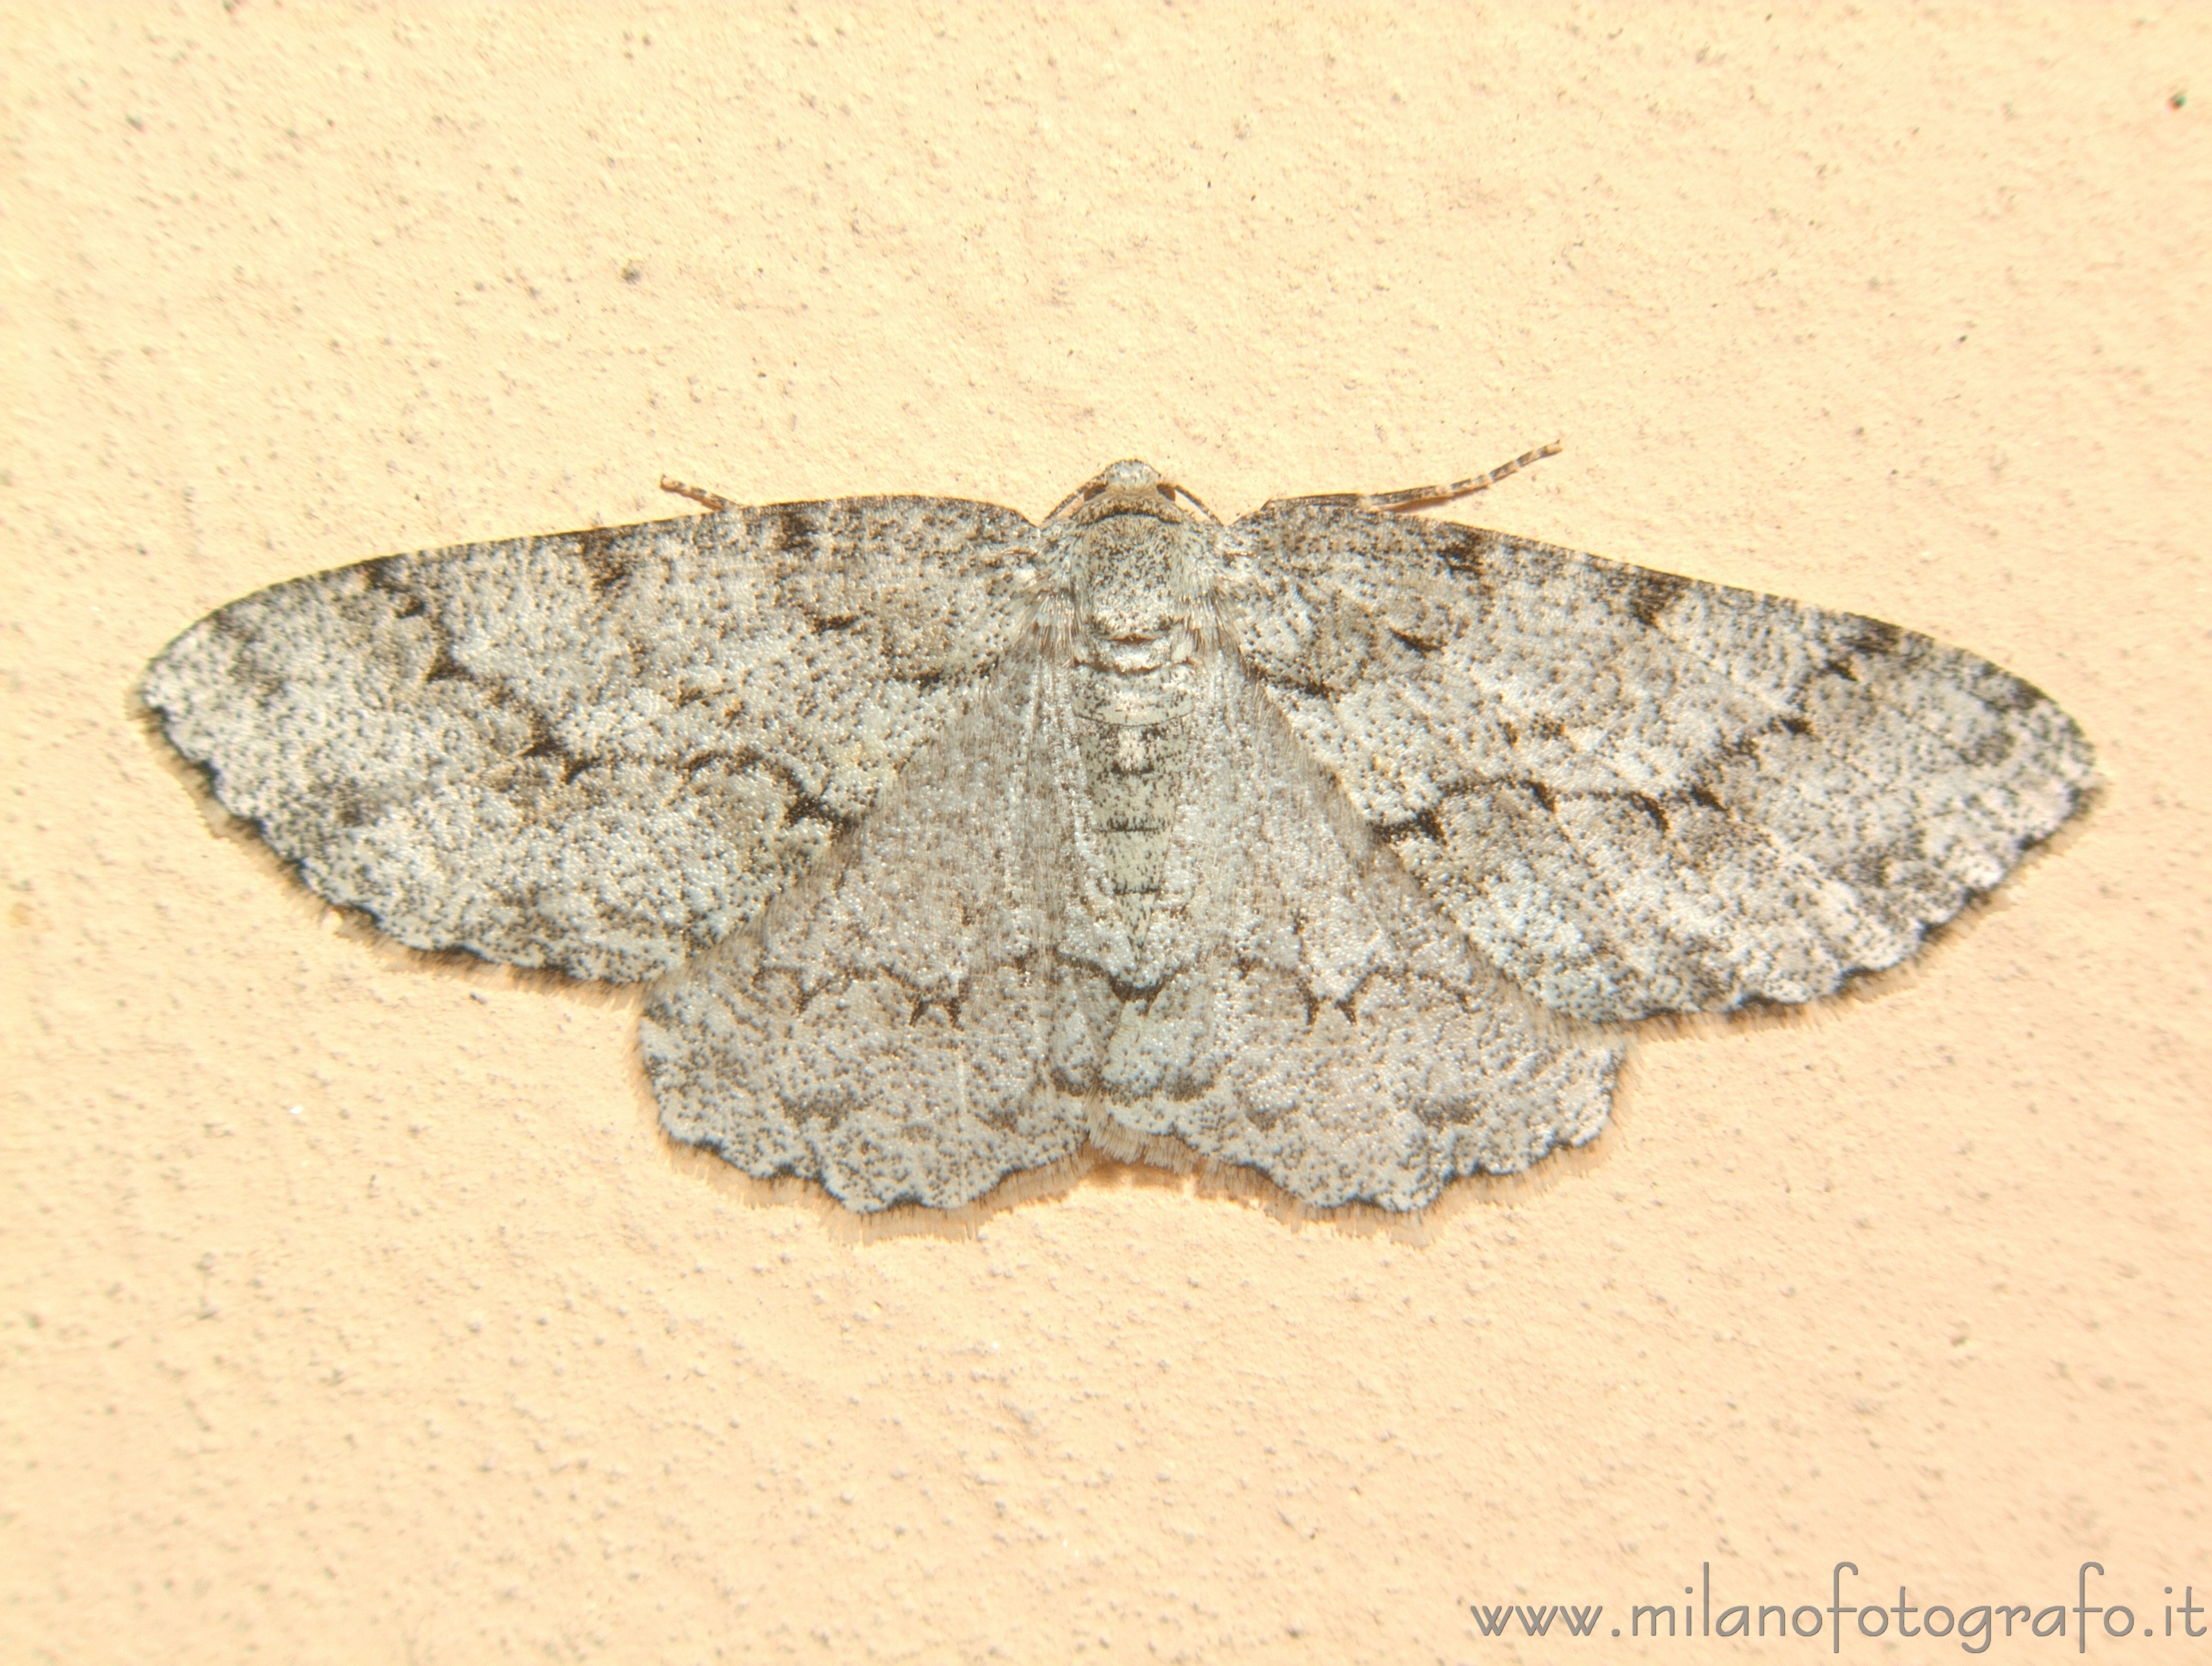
[(600, 752), (878, 608), (930, 579)]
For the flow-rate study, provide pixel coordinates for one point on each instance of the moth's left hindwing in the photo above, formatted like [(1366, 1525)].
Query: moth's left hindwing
[(597, 751)]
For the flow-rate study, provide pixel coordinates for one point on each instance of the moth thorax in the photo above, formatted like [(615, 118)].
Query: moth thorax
[(1133, 585)]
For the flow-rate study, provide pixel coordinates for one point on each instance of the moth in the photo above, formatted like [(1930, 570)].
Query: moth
[(1337, 842)]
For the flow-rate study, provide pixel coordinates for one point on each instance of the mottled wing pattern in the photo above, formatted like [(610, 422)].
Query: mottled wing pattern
[(946, 1001), (1334, 1029), (1638, 793), (597, 751), (884, 1029)]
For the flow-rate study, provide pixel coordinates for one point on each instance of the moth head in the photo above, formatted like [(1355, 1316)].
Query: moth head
[(1131, 488)]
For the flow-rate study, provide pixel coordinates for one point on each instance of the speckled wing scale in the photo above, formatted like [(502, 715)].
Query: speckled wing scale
[(1637, 793), (600, 752), (1334, 843)]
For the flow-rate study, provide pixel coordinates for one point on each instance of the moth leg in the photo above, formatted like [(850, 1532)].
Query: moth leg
[(700, 495), (1427, 497)]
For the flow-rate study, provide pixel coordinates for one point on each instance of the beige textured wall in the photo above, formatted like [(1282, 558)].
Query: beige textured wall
[(1900, 311)]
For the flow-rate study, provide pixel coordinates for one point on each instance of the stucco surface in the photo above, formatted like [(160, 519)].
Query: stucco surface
[(356, 1310)]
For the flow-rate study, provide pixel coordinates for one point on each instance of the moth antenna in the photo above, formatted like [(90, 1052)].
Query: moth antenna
[(700, 495), (1427, 497)]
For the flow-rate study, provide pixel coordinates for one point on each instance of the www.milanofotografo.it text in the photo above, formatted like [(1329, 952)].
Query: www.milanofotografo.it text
[(1973, 1626)]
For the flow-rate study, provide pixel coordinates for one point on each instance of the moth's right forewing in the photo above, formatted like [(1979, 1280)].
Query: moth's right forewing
[(1639, 793)]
